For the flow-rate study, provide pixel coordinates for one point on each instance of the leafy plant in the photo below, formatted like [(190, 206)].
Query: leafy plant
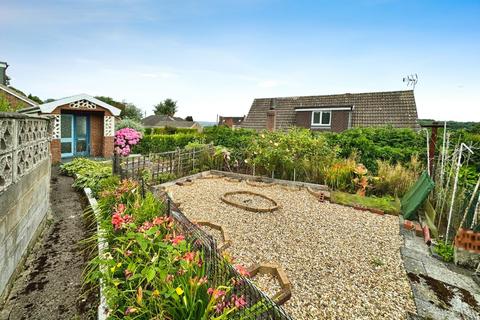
[(150, 269), (444, 250)]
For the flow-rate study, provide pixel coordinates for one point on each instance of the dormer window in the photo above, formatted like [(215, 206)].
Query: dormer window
[(321, 118)]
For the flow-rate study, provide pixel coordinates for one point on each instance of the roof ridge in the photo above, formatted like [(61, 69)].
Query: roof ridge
[(336, 94)]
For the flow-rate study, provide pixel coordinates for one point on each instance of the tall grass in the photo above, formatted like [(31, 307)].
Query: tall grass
[(396, 179)]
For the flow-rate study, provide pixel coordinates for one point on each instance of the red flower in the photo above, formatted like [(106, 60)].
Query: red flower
[(189, 256), (177, 239), (117, 221)]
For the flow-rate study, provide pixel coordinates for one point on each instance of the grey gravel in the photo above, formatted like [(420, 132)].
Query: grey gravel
[(328, 251)]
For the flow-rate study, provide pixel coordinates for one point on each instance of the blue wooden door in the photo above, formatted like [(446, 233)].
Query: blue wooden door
[(75, 135), (66, 141), (81, 135)]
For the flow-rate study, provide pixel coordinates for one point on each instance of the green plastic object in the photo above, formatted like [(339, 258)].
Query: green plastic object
[(415, 197)]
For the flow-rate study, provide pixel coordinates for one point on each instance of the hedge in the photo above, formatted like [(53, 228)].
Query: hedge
[(164, 142), (169, 130)]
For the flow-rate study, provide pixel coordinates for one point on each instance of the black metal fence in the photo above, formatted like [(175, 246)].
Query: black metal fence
[(159, 167), (220, 272)]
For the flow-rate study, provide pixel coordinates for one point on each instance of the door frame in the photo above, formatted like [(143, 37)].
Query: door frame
[(73, 139)]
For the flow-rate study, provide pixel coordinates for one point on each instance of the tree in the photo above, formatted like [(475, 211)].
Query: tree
[(189, 118), (131, 112), (4, 104), (35, 98), (167, 107), (110, 101)]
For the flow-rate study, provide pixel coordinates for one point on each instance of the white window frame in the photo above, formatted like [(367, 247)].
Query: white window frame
[(313, 124)]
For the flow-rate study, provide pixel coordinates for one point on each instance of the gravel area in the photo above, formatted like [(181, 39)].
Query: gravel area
[(267, 283), (343, 263)]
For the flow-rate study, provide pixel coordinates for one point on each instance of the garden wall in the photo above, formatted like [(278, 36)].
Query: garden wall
[(25, 166)]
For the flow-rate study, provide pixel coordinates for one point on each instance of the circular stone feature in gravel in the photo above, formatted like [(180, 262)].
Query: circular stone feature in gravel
[(250, 201)]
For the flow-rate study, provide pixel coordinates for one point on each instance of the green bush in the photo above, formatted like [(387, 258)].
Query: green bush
[(237, 141), (156, 143), (372, 144), (169, 130), (129, 123)]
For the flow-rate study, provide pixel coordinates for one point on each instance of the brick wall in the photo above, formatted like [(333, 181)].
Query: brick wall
[(339, 121)]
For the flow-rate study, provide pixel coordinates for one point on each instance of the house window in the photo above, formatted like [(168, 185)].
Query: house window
[(321, 118)]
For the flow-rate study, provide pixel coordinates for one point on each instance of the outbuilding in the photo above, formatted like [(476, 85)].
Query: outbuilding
[(82, 126)]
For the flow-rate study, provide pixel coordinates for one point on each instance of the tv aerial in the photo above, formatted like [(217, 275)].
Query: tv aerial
[(411, 80)]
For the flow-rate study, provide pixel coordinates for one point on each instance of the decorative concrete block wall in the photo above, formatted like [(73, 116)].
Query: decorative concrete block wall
[(25, 167)]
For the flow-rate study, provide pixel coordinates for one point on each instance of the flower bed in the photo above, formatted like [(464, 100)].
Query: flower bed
[(154, 266)]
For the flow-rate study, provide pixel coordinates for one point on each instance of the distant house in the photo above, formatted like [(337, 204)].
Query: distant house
[(335, 113), (162, 121), (15, 99), (232, 122), (82, 126)]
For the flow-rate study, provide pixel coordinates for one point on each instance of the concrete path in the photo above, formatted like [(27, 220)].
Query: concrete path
[(50, 286), (441, 290)]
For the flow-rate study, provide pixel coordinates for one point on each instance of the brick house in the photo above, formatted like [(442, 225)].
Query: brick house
[(82, 126), (334, 113), (15, 99), (231, 122)]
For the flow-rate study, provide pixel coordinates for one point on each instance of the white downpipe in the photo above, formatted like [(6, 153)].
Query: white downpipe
[(470, 203), (475, 213), (455, 184), (428, 154)]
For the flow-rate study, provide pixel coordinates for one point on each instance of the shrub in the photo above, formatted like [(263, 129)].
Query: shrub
[(125, 139), (444, 250), (129, 123), (372, 144), (294, 153), (156, 143), (237, 141)]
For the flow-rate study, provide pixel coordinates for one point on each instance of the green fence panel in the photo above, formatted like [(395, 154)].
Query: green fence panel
[(415, 197)]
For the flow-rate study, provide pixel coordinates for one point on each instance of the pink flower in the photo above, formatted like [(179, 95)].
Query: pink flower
[(210, 291), (125, 139), (169, 278), (242, 270), (239, 301)]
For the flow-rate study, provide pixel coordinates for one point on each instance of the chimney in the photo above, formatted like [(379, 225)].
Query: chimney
[(3, 73)]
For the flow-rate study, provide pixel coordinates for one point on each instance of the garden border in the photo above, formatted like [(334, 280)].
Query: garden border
[(102, 312)]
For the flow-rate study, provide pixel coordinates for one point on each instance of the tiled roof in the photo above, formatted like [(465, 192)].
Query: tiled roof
[(164, 121), (395, 108)]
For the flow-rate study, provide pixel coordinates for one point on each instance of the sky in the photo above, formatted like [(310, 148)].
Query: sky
[(214, 57)]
